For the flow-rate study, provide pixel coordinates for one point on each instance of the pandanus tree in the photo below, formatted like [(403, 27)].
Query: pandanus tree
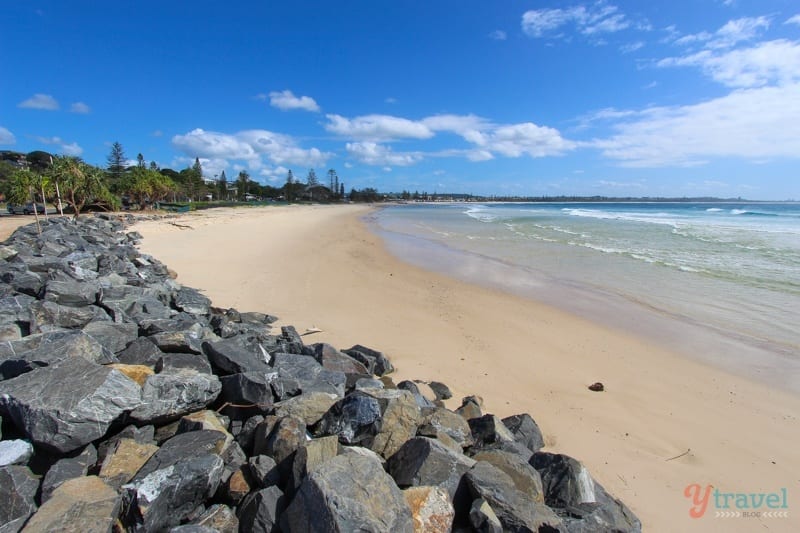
[(22, 189), (80, 183)]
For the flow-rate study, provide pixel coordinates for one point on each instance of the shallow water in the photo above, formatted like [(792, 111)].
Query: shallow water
[(718, 282)]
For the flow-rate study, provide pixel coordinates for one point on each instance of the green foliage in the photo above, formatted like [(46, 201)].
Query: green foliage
[(116, 164), (21, 187), (39, 161), (242, 184), (144, 185), (81, 183)]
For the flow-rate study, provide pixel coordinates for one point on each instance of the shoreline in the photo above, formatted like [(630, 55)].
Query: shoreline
[(319, 266)]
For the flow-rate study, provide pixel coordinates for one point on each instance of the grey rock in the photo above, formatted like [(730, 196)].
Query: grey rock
[(332, 359), (365, 384), (584, 504), (72, 293), (66, 469), (249, 388), (181, 446), (309, 375), (411, 387), (229, 356), (525, 431), (440, 421), (308, 457), (50, 316), (142, 351), (309, 407), (423, 461), (263, 470), (22, 280), (79, 504), (69, 404), (354, 419), (177, 361), (260, 511), (164, 497), (441, 390), (43, 349), (513, 508), (170, 395), (483, 518), (400, 418), (488, 430), (143, 435), (348, 493), (191, 301), (526, 478), (14, 309), (376, 362), (114, 336), (286, 436), (218, 517), (18, 488), (15, 452), (471, 407)]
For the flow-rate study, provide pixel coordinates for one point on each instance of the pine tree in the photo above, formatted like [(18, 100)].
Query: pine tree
[(311, 180), (222, 187), (140, 161), (116, 163)]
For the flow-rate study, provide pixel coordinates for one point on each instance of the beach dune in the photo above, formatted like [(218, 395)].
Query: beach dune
[(664, 421)]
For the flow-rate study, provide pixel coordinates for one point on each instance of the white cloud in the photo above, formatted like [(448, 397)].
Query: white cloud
[(6, 137), (66, 148), (40, 101), (498, 35), (749, 123), (79, 107), (377, 128), (377, 154), (793, 20), (252, 146), (631, 47), (286, 100), (729, 35), (767, 62), (515, 140), (599, 17)]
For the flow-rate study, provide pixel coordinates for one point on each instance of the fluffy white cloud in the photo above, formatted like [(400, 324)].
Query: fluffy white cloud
[(377, 154), (6, 137), (793, 20), (755, 124), (40, 101), (80, 107), (286, 100), (515, 140), (597, 18), (377, 128), (66, 148), (252, 146), (765, 63)]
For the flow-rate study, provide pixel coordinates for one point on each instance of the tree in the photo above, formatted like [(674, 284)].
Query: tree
[(242, 184), (22, 189), (341, 190), (222, 187), (116, 163), (80, 183), (153, 166), (198, 168), (331, 176), (140, 161), (288, 188), (145, 186), (311, 179)]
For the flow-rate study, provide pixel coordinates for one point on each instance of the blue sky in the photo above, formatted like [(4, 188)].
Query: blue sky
[(672, 98)]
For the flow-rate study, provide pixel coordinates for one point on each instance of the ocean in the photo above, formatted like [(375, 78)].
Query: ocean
[(719, 282)]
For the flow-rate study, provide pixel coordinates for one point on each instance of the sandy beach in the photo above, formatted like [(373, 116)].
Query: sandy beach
[(320, 267)]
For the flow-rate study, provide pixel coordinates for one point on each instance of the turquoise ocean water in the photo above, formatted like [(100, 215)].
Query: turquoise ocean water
[(717, 281)]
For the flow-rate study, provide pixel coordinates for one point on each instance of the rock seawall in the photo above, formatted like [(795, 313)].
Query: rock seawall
[(129, 402)]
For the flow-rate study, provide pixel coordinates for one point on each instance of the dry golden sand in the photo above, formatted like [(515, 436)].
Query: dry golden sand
[(319, 266)]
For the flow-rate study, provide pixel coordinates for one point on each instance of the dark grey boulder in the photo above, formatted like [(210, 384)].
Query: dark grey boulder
[(22, 280), (14, 309), (489, 431), (183, 361), (375, 362), (412, 387), (183, 445), (18, 488), (191, 301), (68, 468), (188, 340), (350, 492), (218, 517), (423, 461), (286, 436), (308, 457), (483, 519), (526, 478), (114, 336), (441, 390), (143, 435), (440, 421), (260, 511), (50, 316), (308, 374), (513, 508), (355, 419), (471, 407), (525, 431), (332, 359), (142, 351), (67, 405), (72, 293), (164, 497), (230, 356), (172, 394), (249, 389), (42, 349), (583, 503), (263, 471)]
